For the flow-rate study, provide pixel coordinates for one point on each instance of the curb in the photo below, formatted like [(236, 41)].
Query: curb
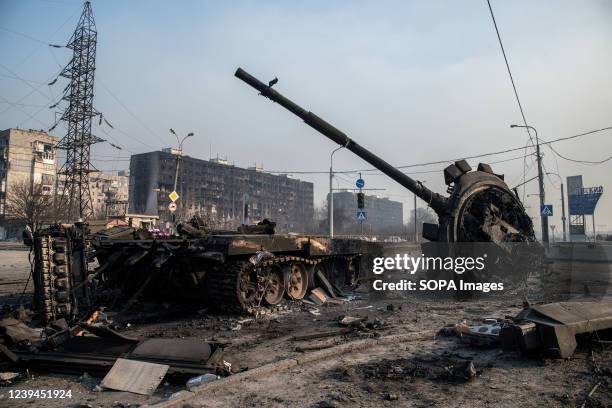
[(183, 396)]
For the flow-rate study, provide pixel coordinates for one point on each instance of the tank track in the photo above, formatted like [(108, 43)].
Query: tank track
[(223, 282), (51, 278)]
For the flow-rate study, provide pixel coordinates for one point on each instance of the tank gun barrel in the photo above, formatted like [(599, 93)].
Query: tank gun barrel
[(435, 200)]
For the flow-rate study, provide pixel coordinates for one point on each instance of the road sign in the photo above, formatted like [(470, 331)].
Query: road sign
[(172, 207), (360, 183), (173, 196), (546, 210), (362, 215)]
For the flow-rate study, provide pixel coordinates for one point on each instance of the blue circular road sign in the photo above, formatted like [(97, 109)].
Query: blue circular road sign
[(360, 183)]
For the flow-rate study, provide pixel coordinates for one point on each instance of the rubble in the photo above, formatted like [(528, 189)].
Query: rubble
[(552, 329), (430, 367), (16, 332)]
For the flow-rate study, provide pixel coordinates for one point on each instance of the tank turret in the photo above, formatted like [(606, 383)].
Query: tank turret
[(480, 206)]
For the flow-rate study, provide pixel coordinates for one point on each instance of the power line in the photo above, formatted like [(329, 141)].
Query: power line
[(501, 44), (8, 30), (144, 125), (580, 161), (34, 89), (30, 116), (590, 132), (23, 105), (51, 36), (23, 79), (132, 137), (543, 142)]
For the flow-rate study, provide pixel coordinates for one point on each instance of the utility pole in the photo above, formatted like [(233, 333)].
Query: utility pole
[(552, 227), (416, 234), (75, 199), (563, 218), (330, 204), (179, 155), (563, 212), (543, 219)]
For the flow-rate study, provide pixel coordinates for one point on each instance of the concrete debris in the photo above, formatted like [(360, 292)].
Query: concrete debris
[(552, 329)]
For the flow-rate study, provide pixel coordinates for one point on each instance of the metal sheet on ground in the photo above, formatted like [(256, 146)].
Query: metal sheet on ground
[(581, 316), (194, 351), (135, 376)]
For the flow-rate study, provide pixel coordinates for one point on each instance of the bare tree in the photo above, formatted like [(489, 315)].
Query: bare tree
[(30, 204)]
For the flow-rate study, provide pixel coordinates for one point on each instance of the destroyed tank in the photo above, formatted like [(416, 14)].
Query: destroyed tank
[(480, 206), (233, 271)]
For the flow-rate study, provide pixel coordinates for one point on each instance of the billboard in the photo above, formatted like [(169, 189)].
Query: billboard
[(580, 200)]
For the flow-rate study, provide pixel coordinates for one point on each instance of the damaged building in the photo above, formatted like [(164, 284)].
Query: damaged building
[(218, 191), (26, 156)]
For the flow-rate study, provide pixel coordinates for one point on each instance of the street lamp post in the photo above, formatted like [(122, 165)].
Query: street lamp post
[(179, 153), (562, 206), (416, 233), (543, 219), (330, 204), (552, 227)]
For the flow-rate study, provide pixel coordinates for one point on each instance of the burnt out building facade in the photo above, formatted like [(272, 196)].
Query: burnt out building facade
[(218, 192)]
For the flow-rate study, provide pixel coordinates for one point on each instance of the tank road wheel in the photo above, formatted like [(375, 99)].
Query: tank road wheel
[(249, 288), (275, 285), (235, 287), (296, 281)]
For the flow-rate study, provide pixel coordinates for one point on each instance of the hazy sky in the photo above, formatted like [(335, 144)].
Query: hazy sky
[(413, 81)]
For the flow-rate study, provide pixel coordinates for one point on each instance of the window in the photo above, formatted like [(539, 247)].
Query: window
[(47, 179)]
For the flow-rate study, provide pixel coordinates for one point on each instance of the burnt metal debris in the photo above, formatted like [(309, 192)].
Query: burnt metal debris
[(234, 272), (553, 329), (480, 207)]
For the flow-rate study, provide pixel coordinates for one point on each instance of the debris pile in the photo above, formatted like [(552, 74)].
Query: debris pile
[(553, 329), (430, 367), (126, 363), (550, 330)]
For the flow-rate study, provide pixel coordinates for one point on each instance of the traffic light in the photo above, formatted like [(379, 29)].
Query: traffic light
[(360, 200)]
